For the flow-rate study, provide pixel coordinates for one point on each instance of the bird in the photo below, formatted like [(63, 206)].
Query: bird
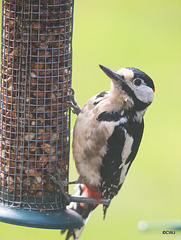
[(106, 137)]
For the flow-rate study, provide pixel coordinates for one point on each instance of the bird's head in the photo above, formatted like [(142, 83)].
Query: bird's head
[(137, 85)]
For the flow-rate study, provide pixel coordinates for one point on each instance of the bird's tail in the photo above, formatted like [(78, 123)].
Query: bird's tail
[(84, 209)]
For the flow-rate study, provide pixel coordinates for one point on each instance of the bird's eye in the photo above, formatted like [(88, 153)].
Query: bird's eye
[(137, 82)]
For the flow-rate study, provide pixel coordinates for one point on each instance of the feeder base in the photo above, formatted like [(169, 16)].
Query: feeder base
[(60, 219)]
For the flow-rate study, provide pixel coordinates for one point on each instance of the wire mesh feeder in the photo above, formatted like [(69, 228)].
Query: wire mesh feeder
[(36, 70)]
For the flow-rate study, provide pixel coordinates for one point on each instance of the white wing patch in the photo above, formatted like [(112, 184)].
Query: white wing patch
[(121, 121), (127, 147), (125, 154), (123, 173)]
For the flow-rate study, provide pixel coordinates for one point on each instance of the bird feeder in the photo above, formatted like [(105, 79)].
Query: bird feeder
[(36, 69)]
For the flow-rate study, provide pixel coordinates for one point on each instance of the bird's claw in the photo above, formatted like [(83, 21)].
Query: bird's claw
[(56, 179), (73, 103)]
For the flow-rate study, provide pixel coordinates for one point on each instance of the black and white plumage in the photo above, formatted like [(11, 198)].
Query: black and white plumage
[(108, 132)]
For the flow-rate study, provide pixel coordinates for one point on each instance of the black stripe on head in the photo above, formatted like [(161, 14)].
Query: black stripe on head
[(139, 105), (142, 75)]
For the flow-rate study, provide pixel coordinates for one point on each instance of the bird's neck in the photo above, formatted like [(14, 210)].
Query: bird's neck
[(120, 98)]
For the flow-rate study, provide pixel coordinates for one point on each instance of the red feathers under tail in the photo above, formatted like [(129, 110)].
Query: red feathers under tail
[(84, 209)]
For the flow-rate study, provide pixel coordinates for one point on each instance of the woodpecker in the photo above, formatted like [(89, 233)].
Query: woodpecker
[(107, 135)]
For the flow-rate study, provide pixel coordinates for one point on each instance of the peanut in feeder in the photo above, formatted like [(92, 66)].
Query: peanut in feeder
[(36, 58)]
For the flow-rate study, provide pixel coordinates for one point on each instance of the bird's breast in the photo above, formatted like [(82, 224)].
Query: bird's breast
[(90, 145)]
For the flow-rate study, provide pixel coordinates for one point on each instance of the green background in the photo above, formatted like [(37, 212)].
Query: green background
[(146, 35)]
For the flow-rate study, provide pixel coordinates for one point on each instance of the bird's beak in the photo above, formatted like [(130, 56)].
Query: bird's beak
[(111, 73)]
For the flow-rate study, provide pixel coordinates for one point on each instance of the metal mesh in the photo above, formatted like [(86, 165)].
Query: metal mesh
[(36, 76)]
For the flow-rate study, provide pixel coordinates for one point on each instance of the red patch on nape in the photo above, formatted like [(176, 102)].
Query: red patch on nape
[(153, 89)]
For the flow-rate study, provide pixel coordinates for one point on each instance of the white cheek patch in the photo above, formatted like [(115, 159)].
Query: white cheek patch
[(144, 93)]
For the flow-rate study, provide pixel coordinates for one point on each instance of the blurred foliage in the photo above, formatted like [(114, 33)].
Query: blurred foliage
[(146, 35)]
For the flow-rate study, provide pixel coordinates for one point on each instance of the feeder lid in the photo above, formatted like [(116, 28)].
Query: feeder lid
[(59, 219)]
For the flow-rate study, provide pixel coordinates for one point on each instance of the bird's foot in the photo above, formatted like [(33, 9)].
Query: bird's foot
[(56, 178), (73, 103)]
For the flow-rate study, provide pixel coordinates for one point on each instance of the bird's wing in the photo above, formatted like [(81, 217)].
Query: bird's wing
[(122, 147)]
